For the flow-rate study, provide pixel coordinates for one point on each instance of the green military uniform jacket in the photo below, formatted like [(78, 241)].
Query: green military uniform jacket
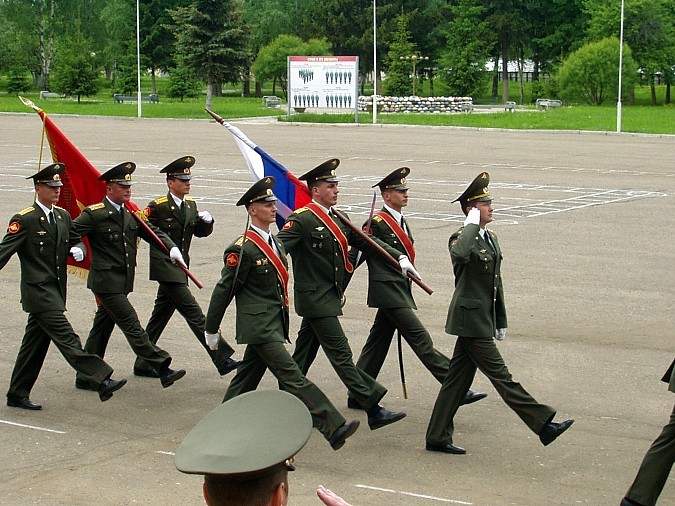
[(42, 255), (166, 215), (113, 239), (669, 377), (387, 288), (318, 266), (477, 308), (262, 314)]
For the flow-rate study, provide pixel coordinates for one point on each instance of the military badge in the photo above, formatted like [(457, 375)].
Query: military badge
[(287, 225), (14, 227), (232, 260)]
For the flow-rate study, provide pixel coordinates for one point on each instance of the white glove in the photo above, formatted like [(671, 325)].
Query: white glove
[(407, 267), (212, 340), (205, 216), (176, 256), (473, 217), (500, 335), (77, 253)]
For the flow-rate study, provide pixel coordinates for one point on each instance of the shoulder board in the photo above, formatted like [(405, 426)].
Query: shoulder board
[(189, 198), (301, 210), (95, 207), (26, 211), (59, 207), (239, 241), (161, 200), (377, 218)]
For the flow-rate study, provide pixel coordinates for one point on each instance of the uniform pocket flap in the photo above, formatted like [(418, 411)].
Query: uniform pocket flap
[(253, 309), (469, 303)]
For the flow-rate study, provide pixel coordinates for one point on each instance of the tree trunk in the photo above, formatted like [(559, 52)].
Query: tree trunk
[(505, 71), (667, 101), (246, 88), (274, 86), (209, 91), (217, 89), (652, 87), (258, 89), (495, 78), (431, 83), (521, 64), (152, 79)]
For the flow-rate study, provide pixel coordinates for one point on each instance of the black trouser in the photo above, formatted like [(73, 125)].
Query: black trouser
[(115, 309), (482, 353), (177, 296), (41, 329)]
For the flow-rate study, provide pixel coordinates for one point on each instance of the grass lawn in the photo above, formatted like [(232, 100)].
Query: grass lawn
[(641, 118)]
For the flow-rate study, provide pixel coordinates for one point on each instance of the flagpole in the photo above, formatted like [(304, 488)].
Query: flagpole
[(138, 56), (374, 62), (618, 103)]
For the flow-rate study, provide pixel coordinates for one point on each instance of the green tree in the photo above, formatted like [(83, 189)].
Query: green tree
[(398, 81), (212, 41), (272, 61), (592, 72), (649, 29), (75, 71), (468, 43), (182, 84)]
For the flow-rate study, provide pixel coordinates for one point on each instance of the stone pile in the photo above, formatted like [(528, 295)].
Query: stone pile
[(409, 105)]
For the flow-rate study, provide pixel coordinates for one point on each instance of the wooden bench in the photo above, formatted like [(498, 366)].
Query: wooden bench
[(271, 101), (44, 95), (118, 98), (548, 103)]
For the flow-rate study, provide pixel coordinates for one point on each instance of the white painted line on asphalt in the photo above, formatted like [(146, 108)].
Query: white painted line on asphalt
[(165, 453), (411, 494), (32, 427)]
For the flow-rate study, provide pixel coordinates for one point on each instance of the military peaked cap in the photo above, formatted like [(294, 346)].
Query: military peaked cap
[(180, 168), (261, 191), (247, 436), (49, 175), (323, 172), (396, 180), (477, 191), (120, 174)]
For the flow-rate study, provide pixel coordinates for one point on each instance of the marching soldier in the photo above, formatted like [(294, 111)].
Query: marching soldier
[(256, 274), (391, 293), (176, 215), (113, 235), (318, 242), (477, 315), (43, 237)]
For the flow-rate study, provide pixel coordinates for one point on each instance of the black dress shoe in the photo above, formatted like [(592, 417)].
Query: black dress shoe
[(446, 448), (627, 502), (353, 404), (472, 397), (106, 389), (552, 430), (384, 417), (83, 384), (228, 365), (145, 373), (23, 403), (168, 377), (337, 440)]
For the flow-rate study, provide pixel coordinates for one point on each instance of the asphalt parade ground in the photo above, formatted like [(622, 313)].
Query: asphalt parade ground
[(585, 220)]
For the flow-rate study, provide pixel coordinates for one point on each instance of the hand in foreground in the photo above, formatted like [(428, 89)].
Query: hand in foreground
[(77, 253), (500, 335), (176, 256), (205, 216), (407, 267), (211, 340), (329, 498), (473, 217)]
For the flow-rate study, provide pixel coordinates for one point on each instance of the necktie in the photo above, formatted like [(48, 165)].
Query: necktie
[(486, 236), (270, 241), (404, 226), (52, 221), (182, 209)]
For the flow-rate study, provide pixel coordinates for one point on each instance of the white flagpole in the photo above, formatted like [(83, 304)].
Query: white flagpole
[(138, 56), (618, 103), (374, 61)]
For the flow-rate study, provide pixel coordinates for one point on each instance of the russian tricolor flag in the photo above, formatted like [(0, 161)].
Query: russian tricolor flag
[(291, 192)]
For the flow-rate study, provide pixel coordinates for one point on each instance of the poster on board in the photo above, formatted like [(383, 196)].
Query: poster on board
[(328, 83)]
